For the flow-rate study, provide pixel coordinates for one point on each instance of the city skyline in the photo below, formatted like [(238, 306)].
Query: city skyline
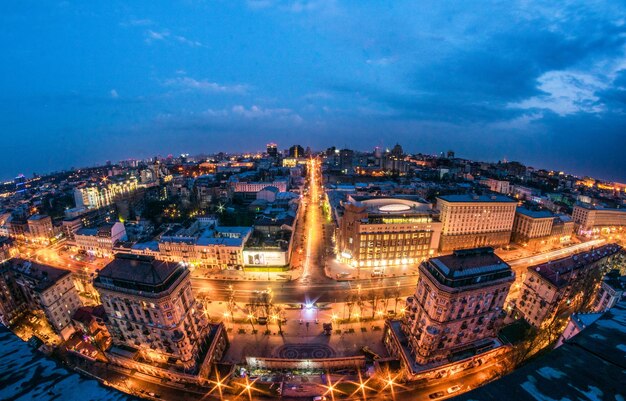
[(534, 82)]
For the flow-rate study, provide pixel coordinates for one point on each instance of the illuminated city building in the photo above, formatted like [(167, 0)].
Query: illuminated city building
[(40, 228), (552, 286), (382, 231), (272, 150), (100, 240), (48, 289), (611, 291), (208, 247), (535, 228), (590, 219), (251, 187), (470, 221), (500, 186), (457, 307), (151, 308), (95, 196)]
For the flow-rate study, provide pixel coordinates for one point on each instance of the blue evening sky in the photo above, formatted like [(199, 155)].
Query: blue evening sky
[(544, 83)]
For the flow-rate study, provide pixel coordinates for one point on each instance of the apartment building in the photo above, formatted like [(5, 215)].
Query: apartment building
[(151, 308), (534, 228), (100, 240), (470, 221), (556, 285), (457, 307), (611, 291), (48, 289), (593, 219), (209, 247), (95, 196), (40, 228)]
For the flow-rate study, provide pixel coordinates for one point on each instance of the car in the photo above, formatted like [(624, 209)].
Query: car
[(320, 398), (454, 389), (151, 394), (438, 394)]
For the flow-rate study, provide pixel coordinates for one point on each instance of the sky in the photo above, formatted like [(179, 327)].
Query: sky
[(540, 82)]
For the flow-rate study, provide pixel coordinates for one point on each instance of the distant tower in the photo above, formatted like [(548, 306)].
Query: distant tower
[(296, 151), (272, 150), (397, 151)]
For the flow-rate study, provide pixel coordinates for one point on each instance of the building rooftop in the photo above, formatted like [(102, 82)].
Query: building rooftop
[(387, 205), (92, 231), (36, 217), (589, 366), (44, 276), (476, 198), (556, 271), (468, 267), (599, 207), (138, 272), (535, 214)]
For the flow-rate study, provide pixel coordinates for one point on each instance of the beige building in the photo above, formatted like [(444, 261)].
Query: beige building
[(100, 240), (383, 231), (535, 228), (592, 219), (211, 247), (457, 307), (40, 228), (470, 221), (499, 186), (152, 309), (95, 196), (553, 286), (50, 290)]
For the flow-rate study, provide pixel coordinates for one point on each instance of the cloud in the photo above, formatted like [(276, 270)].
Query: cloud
[(205, 85), (166, 36), (138, 22), (260, 112), (154, 35), (566, 93), (383, 61), (295, 6), (184, 40), (114, 94)]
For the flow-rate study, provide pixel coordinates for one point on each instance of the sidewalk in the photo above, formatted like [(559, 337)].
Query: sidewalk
[(241, 275), (342, 272)]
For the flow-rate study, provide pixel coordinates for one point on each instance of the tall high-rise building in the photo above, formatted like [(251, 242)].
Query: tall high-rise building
[(272, 150), (296, 151), (152, 309), (456, 309), (471, 221)]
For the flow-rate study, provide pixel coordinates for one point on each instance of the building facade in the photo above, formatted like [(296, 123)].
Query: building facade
[(457, 307), (95, 196), (536, 228), (49, 289), (384, 231), (611, 291), (470, 221), (557, 285), (151, 309), (590, 219), (40, 228), (101, 240)]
